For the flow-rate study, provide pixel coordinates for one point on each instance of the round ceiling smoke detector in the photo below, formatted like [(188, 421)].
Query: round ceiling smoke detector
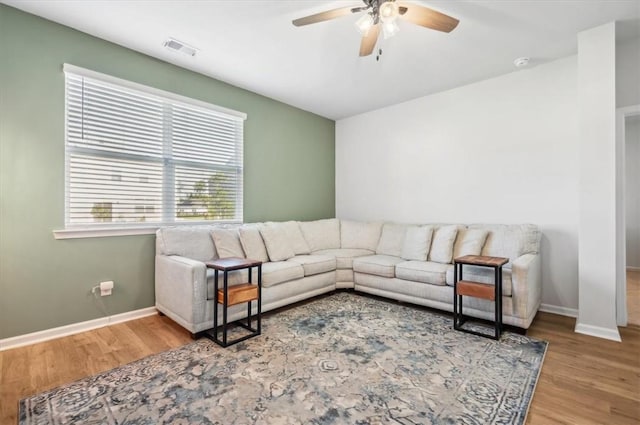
[(520, 62)]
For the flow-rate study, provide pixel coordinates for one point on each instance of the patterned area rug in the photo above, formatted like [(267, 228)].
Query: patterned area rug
[(342, 359)]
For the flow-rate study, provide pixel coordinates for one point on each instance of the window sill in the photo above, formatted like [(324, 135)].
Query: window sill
[(101, 233), (126, 231)]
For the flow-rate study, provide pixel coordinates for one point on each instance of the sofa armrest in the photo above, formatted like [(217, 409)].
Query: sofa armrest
[(181, 287), (526, 283)]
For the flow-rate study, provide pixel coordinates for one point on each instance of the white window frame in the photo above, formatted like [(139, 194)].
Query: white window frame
[(168, 207)]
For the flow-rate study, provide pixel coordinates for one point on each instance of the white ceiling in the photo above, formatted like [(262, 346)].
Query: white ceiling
[(252, 43)]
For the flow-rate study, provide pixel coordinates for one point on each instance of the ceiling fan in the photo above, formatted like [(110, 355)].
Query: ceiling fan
[(383, 13)]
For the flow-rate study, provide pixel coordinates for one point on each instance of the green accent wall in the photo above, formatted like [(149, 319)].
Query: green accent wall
[(46, 283)]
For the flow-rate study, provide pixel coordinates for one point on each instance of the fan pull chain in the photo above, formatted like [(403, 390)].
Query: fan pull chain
[(378, 55)]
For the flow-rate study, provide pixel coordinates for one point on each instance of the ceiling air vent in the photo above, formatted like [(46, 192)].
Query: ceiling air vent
[(179, 46)]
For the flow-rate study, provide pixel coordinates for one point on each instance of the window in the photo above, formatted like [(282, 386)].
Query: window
[(140, 155)]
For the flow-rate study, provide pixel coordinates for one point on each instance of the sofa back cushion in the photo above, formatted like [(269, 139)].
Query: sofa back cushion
[(294, 235), (469, 242), (510, 240), (442, 243), (417, 242), (277, 242), (391, 239), (227, 242), (252, 243), (321, 234), (359, 235), (186, 241)]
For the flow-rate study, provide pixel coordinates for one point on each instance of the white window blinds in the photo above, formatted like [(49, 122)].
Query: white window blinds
[(140, 155)]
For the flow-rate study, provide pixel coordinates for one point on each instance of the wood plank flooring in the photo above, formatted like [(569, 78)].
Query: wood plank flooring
[(584, 380), (35, 368)]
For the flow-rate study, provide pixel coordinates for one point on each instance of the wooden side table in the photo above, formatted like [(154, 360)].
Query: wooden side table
[(236, 294), (479, 290)]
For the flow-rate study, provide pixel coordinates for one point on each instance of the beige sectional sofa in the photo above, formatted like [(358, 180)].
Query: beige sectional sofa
[(411, 263)]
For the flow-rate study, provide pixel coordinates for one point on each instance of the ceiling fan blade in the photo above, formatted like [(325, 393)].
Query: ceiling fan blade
[(369, 41), (429, 18), (322, 16)]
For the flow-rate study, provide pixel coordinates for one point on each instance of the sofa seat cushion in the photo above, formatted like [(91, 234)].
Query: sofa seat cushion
[(423, 271), (379, 265), (484, 275), (315, 264), (276, 272), (344, 256)]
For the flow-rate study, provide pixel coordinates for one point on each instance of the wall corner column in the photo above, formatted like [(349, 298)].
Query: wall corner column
[(597, 221)]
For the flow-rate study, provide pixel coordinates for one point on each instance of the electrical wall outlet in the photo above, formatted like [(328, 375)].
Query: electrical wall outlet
[(105, 288)]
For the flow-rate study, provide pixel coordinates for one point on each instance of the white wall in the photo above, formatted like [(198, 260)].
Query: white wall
[(628, 72), (597, 229), (632, 189), (503, 150), (627, 97)]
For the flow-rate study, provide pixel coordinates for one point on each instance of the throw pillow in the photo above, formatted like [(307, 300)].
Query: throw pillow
[(277, 243), (392, 239), (252, 243), (227, 243), (469, 242), (442, 245), (417, 242), (294, 234)]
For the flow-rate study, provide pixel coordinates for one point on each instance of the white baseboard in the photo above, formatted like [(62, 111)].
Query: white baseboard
[(556, 309), (598, 332), (633, 269), (74, 328)]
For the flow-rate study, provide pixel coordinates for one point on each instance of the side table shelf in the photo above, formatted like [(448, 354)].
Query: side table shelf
[(232, 295), (478, 290)]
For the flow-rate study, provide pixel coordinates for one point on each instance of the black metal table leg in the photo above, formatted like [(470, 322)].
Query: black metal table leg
[(460, 313), (249, 303), (259, 299), (224, 308), (496, 303), (215, 304), (455, 296), (500, 297)]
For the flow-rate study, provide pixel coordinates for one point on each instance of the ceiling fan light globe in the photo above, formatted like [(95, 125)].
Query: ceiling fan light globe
[(364, 24), (388, 11), (389, 29)]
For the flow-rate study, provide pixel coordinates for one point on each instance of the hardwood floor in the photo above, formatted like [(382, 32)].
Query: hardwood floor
[(633, 297), (35, 368), (584, 380)]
